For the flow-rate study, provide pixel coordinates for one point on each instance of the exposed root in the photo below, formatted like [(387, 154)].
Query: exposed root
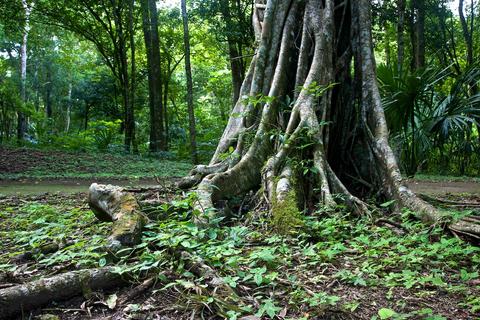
[(136, 291), (468, 227), (111, 203), (199, 172), (197, 266), (357, 206)]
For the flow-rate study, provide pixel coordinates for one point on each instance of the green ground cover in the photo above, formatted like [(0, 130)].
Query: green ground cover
[(330, 265)]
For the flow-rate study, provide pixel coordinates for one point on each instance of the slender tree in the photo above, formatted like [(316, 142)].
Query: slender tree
[(467, 29), (22, 120), (133, 70), (188, 73), (400, 34), (419, 11), (235, 52)]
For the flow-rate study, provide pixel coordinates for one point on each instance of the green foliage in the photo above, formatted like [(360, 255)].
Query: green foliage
[(269, 273), (34, 225), (429, 112), (316, 90), (103, 133), (355, 253)]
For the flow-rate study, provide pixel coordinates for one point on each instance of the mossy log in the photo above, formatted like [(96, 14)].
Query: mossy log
[(112, 203), (25, 297)]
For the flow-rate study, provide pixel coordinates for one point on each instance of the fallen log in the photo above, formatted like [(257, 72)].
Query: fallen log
[(25, 297), (112, 203)]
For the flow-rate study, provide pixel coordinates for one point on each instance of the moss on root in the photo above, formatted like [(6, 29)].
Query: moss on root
[(286, 217)]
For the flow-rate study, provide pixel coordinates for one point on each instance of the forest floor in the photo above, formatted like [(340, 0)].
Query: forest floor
[(330, 266), (34, 164)]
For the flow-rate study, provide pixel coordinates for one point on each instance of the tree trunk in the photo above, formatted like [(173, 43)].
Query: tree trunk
[(133, 71), (152, 44), (48, 94), (69, 108), (22, 121), (165, 106), (87, 114), (467, 32), (188, 73), (331, 145), (388, 53), (420, 34), (400, 34), (123, 76), (236, 62), (468, 38)]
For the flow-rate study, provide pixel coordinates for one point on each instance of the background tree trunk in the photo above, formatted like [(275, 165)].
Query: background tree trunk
[(68, 116), (133, 76), (400, 34), (48, 93), (419, 34), (152, 44), (235, 54), (22, 121), (188, 73), (123, 76), (467, 30)]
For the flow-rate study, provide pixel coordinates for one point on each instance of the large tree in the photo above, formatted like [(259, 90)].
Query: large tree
[(309, 125)]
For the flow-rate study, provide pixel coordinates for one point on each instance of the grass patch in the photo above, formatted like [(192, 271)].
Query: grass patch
[(26, 163)]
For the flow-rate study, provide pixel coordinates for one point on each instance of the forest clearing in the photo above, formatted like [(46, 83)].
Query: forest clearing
[(239, 159)]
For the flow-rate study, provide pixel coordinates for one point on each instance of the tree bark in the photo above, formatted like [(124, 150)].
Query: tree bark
[(467, 32), (123, 74), (133, 76), (68, 116), (188, 73), (48, 92)]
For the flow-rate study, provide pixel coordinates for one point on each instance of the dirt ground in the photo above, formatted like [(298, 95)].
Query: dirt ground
[(442, 188)]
